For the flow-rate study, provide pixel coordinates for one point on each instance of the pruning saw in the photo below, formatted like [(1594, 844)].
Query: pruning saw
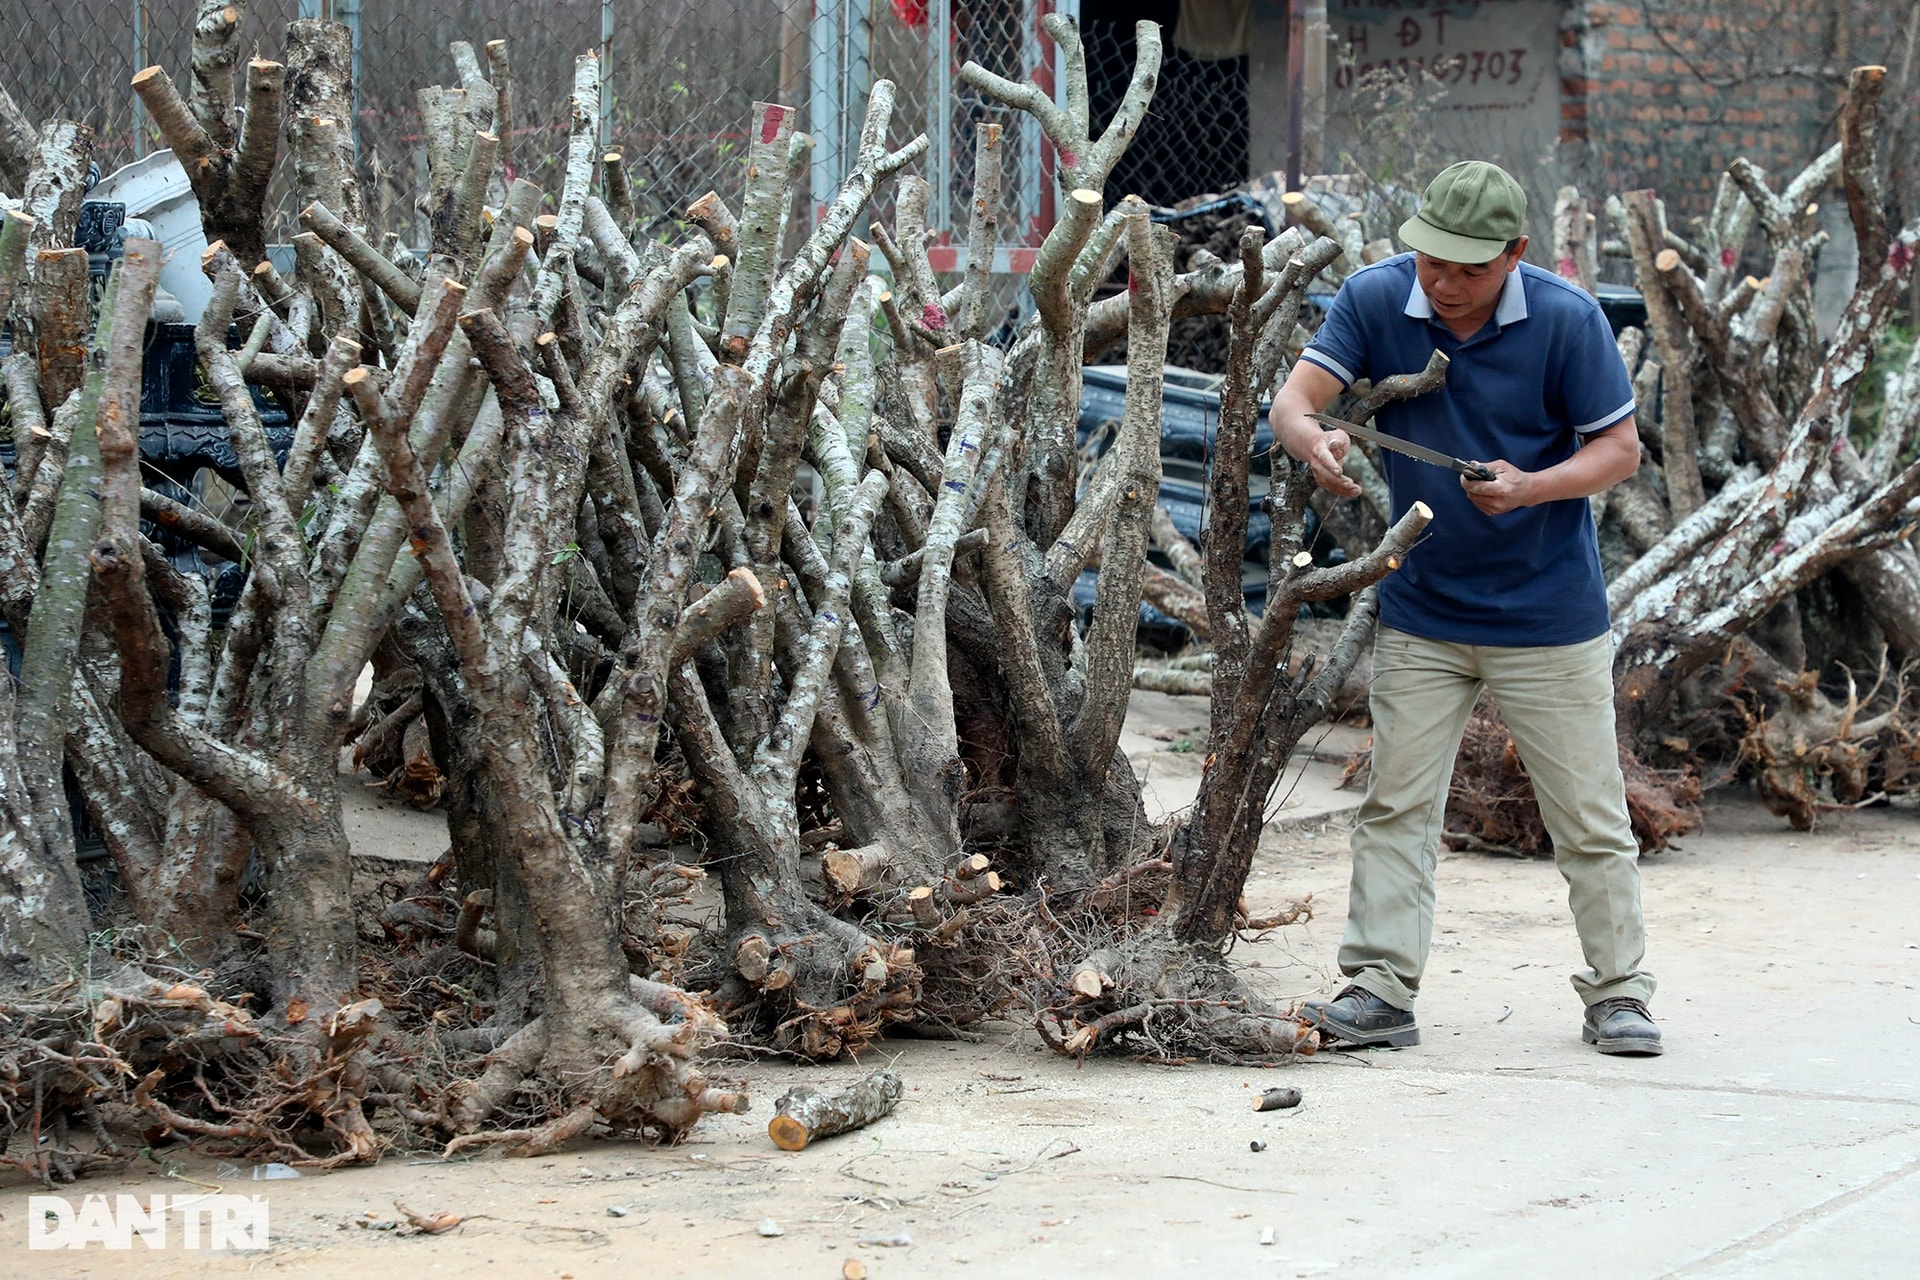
[(1475, 470)]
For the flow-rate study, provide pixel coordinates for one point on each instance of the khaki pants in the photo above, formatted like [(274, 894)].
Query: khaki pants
[(1558, 702)]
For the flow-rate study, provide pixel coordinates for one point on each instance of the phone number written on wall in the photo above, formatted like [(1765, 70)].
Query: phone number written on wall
[(1466, 67)]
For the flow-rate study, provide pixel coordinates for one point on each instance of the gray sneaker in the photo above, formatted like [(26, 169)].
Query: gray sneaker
[(1359, 1017), (1622, 1025)]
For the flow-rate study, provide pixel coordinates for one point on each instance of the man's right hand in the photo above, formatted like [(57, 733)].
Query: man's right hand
[(1310, 389), (1326, 458)]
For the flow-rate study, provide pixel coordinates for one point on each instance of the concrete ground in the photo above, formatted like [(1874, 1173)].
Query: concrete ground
[(1778, 1136)]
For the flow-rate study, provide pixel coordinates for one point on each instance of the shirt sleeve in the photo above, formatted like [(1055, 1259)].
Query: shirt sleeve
[(1340, 346), (1595, 391)]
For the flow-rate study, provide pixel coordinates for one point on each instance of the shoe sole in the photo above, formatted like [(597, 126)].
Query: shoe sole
[(1630, 1046), (1353, 1037)]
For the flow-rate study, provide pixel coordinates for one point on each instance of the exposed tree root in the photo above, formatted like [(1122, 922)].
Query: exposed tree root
[(1100, 971), (1293, 913), (1155, 997), (659, 932), (1810, 756), (271, 1100), (817, 985), (528, 1142), (55, 1074), (983, 959), (205, 1070), (163, 1057), (628, 1067)]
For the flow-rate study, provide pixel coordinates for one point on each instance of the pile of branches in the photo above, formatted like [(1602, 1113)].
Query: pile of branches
[(556, 483), (1764, 582), (1209, 230), (73, 1056)]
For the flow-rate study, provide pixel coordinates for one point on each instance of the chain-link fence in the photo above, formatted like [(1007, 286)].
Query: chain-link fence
[(1559, 90), (680, 81), (1195, 140)]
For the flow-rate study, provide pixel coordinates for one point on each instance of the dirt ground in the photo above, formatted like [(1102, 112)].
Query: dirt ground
[(1780, 1134)]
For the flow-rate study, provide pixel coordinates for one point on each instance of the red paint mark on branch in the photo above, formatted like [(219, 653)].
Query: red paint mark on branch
[(1727, 258), (1900, 257), (770, 123), (1567, 267), (933, 316), (1068, 159), (1133, 283)]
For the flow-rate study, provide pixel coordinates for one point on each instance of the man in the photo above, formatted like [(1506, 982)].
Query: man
[(1505, 592)]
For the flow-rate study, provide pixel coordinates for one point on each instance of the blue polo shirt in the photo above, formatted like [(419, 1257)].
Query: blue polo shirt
[(1536, 378)]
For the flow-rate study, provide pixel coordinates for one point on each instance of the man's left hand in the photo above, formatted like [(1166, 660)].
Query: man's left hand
[(1509, 490)]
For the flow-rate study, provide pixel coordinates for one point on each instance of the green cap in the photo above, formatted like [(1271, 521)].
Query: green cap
[(1469, 214)]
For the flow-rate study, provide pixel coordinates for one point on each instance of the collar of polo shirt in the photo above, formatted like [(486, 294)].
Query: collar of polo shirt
[(1512, 305)]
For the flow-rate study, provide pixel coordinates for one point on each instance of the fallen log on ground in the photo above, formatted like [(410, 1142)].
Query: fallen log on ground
[(805, 1114)]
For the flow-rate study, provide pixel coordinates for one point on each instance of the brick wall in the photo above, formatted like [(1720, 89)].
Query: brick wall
[(1669, 103)]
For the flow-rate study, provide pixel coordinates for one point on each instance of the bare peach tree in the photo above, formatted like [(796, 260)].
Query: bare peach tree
[(1757, 404)]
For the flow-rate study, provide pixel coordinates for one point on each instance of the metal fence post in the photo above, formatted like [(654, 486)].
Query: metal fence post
[(825, 104), (1296, 95), (1026, 199), (140, 63), (858, 79), (941, 215), (606, 76)]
